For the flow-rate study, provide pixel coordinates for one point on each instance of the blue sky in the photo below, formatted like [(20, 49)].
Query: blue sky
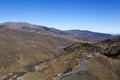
[(94, 15)]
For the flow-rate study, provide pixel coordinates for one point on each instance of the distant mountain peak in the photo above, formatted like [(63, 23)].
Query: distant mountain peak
[(16, 24)]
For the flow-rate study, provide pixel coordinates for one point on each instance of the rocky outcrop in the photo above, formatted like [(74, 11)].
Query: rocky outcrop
[(14, 75), (112, 51), (110, 47)]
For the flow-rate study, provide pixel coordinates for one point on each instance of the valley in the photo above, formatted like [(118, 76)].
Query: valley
[(49, 54)]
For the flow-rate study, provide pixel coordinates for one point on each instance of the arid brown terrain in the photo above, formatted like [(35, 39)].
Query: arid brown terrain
[(18, 48), (42, 55)]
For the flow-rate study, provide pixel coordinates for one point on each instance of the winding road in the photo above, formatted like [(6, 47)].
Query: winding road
[(82, 68), (115, 76)]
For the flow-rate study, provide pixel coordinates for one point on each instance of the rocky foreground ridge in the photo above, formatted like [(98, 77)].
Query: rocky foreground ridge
[(79, 61)]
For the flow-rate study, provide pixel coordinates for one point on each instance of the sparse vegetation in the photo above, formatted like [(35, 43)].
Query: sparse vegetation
[(29, 55)]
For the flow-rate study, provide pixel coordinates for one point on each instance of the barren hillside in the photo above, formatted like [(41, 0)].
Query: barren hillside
[(18, 49)]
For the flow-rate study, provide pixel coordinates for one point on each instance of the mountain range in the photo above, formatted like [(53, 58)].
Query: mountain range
[(35, 52), (78, 34)]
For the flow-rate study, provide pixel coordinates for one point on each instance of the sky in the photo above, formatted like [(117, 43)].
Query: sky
[(94, 15)]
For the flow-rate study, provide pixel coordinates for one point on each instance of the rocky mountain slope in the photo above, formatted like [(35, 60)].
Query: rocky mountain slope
[(18, 49), (33, 52), (79, 61)]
